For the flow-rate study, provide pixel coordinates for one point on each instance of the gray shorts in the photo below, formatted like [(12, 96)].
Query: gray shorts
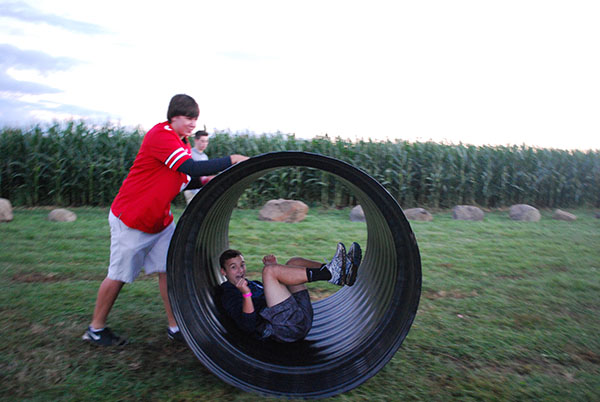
[(131, 250), (290, 320)]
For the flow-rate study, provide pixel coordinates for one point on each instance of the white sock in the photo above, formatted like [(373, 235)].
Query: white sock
[(174, 329), (96, 330)]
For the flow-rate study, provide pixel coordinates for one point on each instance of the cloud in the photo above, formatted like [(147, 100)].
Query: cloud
[(9, 85), (13, 57), (16, 112), (23, 12), (33, 59), (22, 99)]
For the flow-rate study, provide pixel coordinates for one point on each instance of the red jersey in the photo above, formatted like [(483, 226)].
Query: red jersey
[(144, 200)]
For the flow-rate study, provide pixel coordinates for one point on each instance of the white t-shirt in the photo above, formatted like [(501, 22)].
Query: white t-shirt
[(198, 156)]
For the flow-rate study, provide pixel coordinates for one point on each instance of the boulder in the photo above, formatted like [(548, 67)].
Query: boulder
[(467, 213), (564, 216), (6, 211), (418, 214), (357, 214), (61, 215), (524, 212), (283, 211)]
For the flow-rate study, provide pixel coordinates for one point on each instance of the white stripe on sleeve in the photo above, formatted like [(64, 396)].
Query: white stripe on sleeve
[(174, 157)]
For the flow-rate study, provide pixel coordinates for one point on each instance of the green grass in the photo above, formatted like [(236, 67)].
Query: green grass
[(509, 311)]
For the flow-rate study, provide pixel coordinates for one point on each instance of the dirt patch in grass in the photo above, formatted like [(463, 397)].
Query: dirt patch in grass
[(36, 277), (451, 294), (53, 277), (510, 277), (521, 366), (590, 356), (579, 353), (526, 367), (554, 268), (527, 320)]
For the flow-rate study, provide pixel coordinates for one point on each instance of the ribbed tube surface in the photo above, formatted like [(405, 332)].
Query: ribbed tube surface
[(356, 331)]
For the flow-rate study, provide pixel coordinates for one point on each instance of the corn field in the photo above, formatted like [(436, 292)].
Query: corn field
[(74, 163)]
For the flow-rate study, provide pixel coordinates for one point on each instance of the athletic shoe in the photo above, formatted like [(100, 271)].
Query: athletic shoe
[(353, 259), (103, 338), (175, 336), (337, 266)]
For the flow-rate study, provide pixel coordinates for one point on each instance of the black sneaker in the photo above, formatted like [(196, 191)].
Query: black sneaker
[(103, 338), (175, 336), (353, 259), (337, 266)]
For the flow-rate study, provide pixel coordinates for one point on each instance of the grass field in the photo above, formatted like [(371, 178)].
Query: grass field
[(509, 311)]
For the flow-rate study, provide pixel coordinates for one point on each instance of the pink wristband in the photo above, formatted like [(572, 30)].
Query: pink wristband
[(249, 294)]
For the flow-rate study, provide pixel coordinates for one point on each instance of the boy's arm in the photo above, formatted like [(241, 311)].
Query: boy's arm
[(234, 307), (204, 168), (244, 287)]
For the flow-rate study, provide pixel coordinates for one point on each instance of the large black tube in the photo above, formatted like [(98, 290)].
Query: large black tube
[(356, 330)]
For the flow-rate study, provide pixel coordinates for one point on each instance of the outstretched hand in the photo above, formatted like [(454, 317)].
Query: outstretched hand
[(269, 259), (235, 158)]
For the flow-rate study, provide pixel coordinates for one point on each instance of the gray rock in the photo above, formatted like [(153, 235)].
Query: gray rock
[(524, 212), (357, 214), (283, 211), (6, 211), (62, 215), (418, 214), (467, 213), (564, 215)]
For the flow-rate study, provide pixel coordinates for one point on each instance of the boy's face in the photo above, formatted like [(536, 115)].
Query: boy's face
[(201, 143), (235, 269), (184, 126)]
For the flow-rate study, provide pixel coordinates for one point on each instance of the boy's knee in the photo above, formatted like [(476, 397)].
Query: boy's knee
[(268, 270)]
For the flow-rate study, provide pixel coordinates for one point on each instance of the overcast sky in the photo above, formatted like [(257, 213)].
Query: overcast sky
[(477, 72)]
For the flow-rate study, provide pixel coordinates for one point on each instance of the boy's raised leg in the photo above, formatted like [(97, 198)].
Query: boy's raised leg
[(280, 281)]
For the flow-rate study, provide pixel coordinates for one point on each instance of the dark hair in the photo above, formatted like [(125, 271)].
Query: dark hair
[(182, 105), (200, 133), (227, 255)]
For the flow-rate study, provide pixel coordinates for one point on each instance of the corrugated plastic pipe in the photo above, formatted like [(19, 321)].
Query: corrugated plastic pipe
[(356, 330)]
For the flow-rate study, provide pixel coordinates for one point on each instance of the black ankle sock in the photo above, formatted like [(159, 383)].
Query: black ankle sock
[(318, 274)]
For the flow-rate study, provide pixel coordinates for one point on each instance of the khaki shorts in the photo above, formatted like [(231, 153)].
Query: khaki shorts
[(131, 250)]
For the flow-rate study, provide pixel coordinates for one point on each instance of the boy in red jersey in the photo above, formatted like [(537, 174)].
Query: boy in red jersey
[(140, 218)]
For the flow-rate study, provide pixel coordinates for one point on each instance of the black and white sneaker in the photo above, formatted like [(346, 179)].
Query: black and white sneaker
[(337, 266), (175, 336), (103, 338), (353, 259)]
